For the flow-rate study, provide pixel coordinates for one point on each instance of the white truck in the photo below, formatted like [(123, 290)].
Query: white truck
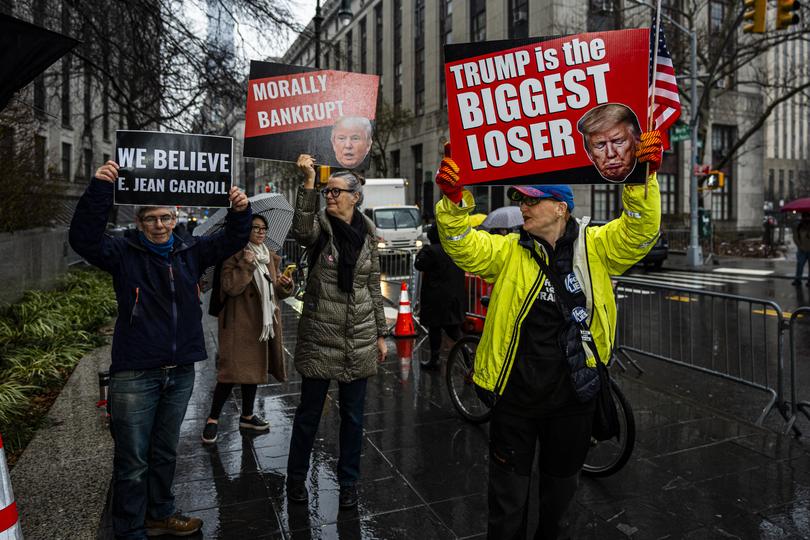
[(399, 226)]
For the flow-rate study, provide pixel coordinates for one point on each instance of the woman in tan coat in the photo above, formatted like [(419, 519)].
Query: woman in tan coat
[(249, 328)]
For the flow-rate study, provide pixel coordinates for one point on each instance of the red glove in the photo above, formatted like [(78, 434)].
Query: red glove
[(651, 149), (447, 177)]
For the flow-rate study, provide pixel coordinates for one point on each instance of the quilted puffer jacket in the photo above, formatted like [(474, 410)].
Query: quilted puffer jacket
[(337, 331)]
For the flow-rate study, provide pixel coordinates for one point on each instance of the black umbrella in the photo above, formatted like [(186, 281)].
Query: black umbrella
[(275, 209), (26, 51)]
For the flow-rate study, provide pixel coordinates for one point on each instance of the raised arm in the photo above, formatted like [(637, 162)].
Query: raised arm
[(87, 228), (305, 226), (235, 235)]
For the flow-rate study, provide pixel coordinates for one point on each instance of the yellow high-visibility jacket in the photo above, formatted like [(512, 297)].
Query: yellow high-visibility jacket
[(599, 252)]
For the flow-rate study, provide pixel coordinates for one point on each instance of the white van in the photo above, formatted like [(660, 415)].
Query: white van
[(399, 226)]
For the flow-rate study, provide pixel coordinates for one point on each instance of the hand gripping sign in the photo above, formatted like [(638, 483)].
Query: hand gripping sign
[(293, 110), (567, 110)]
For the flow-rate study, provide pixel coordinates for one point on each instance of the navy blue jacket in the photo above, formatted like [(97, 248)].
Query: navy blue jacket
[(159, 312)]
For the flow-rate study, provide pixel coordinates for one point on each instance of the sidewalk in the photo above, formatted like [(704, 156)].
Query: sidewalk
[(694, 473), (784, 268)]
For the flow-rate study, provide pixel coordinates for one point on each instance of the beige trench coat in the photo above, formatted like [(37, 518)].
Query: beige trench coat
[(243, 359)]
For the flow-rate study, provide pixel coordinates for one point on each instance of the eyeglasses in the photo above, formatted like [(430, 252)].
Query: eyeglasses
[(258, 229), (520, 198), (334, 192), (152, 220)]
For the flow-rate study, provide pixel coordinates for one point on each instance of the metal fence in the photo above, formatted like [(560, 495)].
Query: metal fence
[(745, 336), (799, 323)]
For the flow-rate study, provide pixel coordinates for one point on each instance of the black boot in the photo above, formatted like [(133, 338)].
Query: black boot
[(433, 363)]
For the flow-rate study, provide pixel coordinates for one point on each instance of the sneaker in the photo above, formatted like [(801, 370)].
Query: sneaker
[(210, 432), (348, 497), (175, 525), (254, 422), (297, 492)]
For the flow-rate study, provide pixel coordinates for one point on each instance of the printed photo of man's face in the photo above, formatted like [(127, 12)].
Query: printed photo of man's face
[(351, 141), (610, 134)]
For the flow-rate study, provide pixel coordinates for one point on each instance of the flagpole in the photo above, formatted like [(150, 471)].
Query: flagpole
[(650, 119)]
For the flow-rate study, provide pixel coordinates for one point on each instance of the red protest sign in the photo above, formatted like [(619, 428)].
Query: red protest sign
[(563, 110), (293, 110)]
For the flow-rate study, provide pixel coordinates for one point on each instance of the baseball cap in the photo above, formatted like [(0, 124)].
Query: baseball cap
[(560, 192)]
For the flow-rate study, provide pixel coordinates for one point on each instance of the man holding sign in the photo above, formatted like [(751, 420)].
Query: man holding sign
[(550, 320), (158, 338)]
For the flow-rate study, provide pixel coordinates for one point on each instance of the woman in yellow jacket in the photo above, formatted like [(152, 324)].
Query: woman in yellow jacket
[(537, 356)]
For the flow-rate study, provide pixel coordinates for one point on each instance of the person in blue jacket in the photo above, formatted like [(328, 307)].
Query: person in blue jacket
[(158, 337)]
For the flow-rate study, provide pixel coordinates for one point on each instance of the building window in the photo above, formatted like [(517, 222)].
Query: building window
[(603, 15), (518, 19), (66, 112), (337, 55), (771, 184), (416, 155), (722, 139), (349, 52), (67, 150), (478, 20), (40, 103), (605, 202), (378, 39), (395, 164), (419, 58), (668, 185), (87, 162), (326, 60), (6, 144), (363, 45), (397, 54), (88, 101), (445, 38), (39, 155)]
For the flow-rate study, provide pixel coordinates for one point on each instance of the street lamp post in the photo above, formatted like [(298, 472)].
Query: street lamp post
[(317, 19), (694, 254)]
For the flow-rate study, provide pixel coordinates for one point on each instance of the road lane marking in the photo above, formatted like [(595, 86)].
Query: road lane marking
[(743, 271), (633, 279)]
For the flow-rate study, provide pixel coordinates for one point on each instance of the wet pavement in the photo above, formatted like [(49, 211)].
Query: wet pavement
[(695, 472)]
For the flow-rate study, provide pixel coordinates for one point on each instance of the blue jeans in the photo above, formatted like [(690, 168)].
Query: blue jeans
[(801, 258), (352, 398), (146, 409)]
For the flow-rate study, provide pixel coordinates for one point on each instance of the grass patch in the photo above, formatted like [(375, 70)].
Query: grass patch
[(42, 338)]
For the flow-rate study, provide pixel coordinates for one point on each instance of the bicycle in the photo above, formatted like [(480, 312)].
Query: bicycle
[(604, 457)]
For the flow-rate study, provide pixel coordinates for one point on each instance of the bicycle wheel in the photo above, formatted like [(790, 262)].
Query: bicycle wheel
[(459, 377), (607, 457)]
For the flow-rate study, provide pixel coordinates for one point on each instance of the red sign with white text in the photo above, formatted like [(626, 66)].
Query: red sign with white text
[(562, 110), (293, 110)]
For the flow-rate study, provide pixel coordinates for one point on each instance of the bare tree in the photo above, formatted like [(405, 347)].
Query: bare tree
[(389, 121), (730, 64)]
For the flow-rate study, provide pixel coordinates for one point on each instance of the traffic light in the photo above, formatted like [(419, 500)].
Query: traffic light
[(785, 15), (755, 16), (716, 180)]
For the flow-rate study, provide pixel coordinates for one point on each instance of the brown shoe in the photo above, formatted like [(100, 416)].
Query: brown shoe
[(175, 525)]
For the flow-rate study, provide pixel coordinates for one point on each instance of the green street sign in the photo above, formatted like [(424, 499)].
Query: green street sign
[(680, 132)]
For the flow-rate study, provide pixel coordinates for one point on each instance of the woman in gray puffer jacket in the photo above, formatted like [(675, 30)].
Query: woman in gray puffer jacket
[(341, 333)]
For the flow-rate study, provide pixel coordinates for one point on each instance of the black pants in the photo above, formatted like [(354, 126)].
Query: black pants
[(435, 337), (221, 393), (564, 441), (351, 400)]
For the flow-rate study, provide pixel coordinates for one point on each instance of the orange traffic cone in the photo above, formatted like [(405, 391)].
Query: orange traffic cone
[(404, 326), (405, 353), (9, 519)]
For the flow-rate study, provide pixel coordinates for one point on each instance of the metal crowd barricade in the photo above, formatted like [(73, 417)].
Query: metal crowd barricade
[(797, 406), (745, 335), (476, 289)]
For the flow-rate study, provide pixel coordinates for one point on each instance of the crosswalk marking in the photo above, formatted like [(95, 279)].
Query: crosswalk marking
[(743, 271), (677, 279)]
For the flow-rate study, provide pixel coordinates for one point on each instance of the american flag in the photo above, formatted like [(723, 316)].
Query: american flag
[(666, 103)]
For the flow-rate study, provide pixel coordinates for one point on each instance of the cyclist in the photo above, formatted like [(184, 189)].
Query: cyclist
[(535, 364)]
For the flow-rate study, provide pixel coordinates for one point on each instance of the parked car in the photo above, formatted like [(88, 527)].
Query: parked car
[(656, 256)]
